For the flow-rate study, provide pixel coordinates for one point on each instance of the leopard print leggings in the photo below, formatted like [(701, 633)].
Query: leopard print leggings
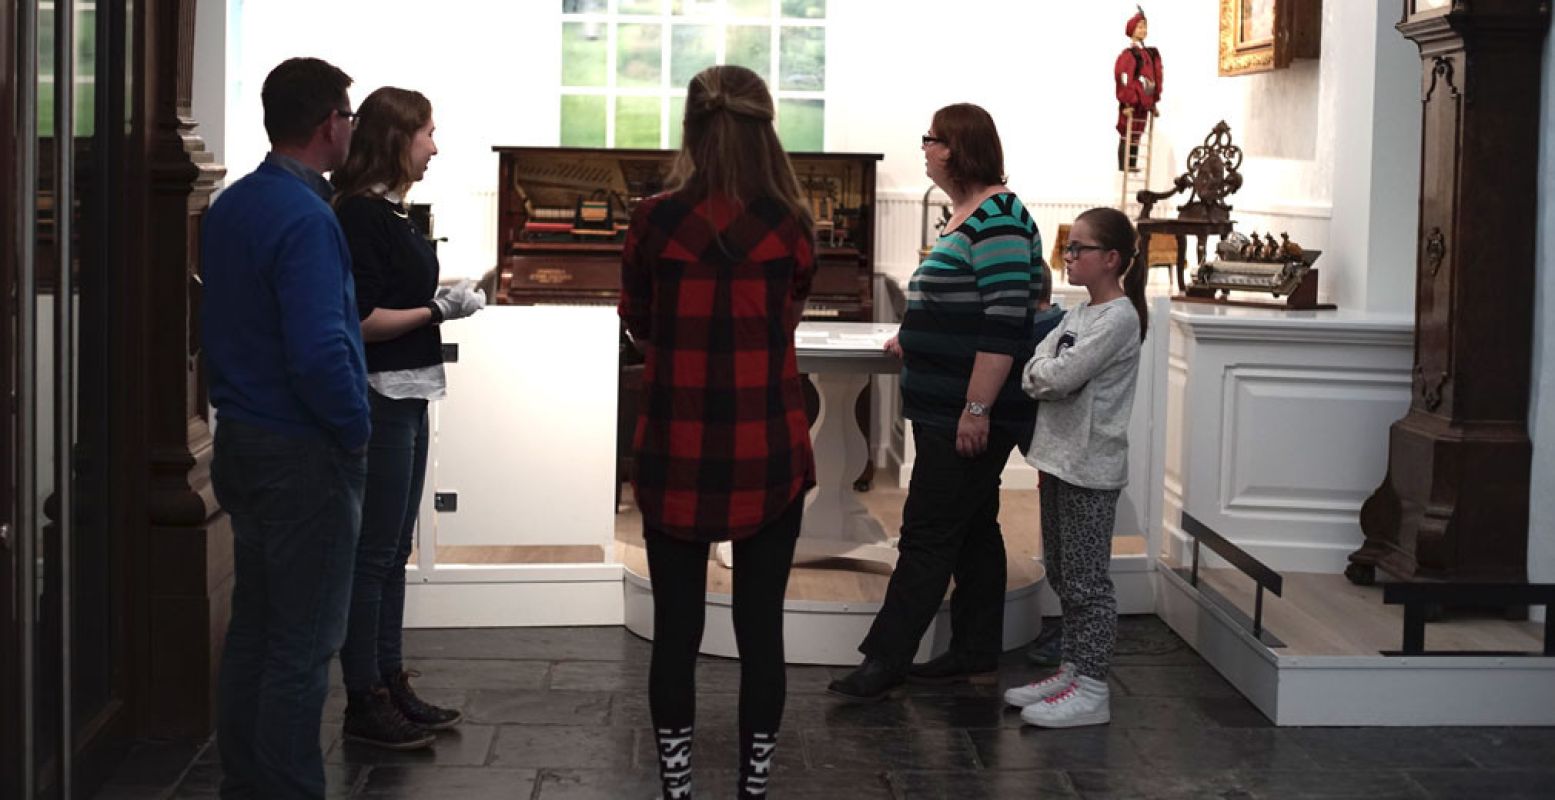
[(1077, 552)]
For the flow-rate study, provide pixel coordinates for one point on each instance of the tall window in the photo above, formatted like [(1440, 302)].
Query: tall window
[(626, 63), (85, 75)]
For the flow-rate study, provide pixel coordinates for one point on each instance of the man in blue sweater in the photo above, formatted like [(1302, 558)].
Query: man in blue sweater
[(283, 352)]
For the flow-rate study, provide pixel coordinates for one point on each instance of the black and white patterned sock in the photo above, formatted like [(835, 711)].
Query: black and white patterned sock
[(674, 761), (756, 751)]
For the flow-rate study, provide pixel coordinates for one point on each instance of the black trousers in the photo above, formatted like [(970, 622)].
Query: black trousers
[(950, 528), (679, 572)]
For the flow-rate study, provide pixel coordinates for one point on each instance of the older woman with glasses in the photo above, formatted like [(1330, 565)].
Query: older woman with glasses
[(969, 317)]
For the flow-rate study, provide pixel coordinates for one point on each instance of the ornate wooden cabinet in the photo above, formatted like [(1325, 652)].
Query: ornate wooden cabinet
[(1454, 504)]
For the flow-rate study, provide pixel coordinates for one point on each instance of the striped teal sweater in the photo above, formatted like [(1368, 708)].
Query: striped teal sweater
[(976, 292)]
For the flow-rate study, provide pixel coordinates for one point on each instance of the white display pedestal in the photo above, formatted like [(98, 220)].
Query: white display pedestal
[(839, 357), (1277, 426), (523, 452)]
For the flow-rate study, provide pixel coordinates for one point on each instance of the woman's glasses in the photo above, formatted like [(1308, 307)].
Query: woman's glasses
[(929, 139), (1073, 251)]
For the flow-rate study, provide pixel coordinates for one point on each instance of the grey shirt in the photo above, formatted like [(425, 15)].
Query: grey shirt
[(1083, 373), (309, 175)]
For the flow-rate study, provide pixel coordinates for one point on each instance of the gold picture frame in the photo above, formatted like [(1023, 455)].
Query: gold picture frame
[(1263, 35)]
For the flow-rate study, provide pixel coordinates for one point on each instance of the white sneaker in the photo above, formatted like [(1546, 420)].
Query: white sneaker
[(1037, 691), (1086, 701)]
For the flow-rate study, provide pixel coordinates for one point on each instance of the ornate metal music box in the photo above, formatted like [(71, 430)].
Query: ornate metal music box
[(1259, 265)]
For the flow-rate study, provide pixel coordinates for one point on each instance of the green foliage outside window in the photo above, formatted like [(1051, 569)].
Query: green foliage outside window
[(583, 120), (637, 55), (637, 122), (86, 69), (583, 54)]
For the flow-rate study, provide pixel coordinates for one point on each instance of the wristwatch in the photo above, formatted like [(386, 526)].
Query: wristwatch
[(976, 409)]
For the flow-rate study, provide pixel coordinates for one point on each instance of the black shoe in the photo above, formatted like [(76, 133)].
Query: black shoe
[(1047, 649), (433, 718), (954, 667), (874, 680), (371, 718)]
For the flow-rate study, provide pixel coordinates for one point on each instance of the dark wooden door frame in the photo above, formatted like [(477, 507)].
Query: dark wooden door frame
[(181, 562), (10, 632), (170, 545)]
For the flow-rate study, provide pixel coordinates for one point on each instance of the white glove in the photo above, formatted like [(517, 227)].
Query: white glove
[(458, 301)]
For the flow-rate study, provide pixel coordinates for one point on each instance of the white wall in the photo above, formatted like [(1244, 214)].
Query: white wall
[(1541, 416), (1376, 162), (210, 80), (491, 70)]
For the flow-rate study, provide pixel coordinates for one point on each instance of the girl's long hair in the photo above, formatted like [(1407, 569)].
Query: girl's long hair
[(380, 146), (729, 146), (1115, 232)]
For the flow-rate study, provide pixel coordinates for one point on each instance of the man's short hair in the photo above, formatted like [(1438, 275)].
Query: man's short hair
[(298, 95)]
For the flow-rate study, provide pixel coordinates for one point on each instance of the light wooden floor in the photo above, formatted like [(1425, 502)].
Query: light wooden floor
[(1326, 615), (860, 582)]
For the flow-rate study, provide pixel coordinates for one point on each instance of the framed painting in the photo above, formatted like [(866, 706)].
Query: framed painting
[(1263, 35)]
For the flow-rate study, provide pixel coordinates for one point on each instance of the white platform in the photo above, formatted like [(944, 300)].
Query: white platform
[(526, 439), (828, 632), (1343, 690)]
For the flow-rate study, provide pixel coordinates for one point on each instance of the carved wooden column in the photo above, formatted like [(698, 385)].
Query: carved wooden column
[(1454, 504), (186, 560)]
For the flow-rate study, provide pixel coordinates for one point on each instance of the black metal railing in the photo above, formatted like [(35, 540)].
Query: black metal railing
[(1264, 577), (1418, 598)]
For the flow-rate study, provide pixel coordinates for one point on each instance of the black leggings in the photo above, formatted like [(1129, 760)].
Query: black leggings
[(679, 572)]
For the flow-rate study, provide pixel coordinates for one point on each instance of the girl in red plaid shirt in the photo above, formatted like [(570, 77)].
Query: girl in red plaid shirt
[(714, 277)]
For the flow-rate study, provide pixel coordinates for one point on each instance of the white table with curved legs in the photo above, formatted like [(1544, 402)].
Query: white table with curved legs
[(839, 358)]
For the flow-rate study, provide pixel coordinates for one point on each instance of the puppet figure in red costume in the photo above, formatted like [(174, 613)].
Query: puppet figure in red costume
[(1137, 75)]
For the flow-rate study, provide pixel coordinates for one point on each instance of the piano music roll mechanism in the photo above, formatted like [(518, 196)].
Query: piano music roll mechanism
[(1246, 264)]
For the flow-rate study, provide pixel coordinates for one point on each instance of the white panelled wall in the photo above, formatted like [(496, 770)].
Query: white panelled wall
[(1276, 427)]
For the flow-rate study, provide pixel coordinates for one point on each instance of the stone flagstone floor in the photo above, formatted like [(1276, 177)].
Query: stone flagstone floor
[(561, 713)]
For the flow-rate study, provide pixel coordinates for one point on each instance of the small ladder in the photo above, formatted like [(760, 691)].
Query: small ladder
[(1131, 181)]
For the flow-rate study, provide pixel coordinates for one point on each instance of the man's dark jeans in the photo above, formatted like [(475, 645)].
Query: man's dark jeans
[(950, 528), (396, 471), (296, 507)]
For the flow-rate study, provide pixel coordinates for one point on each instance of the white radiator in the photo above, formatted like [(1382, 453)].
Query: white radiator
[(899, 231)]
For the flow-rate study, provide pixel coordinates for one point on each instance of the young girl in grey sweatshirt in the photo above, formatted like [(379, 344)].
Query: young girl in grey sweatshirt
[(1083, 373)]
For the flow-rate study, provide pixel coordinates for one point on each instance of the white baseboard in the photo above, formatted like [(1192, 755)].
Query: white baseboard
[(514, 604)]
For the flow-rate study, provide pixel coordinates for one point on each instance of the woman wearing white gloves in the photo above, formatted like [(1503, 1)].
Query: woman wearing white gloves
[(401, 307)]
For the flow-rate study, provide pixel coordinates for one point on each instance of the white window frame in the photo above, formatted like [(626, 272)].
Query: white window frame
[(720, 18)]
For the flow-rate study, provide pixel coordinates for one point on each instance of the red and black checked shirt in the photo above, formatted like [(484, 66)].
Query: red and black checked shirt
[(722, 444)]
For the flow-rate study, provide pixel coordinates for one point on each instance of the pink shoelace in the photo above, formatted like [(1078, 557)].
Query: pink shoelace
[(1048, 681), (1063, 694)]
